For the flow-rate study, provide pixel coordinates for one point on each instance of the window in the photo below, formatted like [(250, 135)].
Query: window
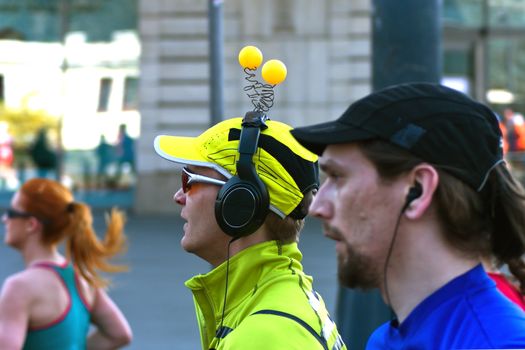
[(283, 16), (104, 93), (130, 102)]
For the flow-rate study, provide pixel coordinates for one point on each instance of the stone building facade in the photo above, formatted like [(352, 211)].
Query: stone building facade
[(324, 44)]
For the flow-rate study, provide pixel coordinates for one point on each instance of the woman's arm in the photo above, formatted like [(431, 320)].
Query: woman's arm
[(112, 329), (14, 313)]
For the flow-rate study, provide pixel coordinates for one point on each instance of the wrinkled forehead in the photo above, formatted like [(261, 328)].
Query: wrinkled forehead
[(342, 156)]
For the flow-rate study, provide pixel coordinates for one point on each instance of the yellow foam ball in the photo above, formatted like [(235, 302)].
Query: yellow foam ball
[(274, 72), (250, 57)]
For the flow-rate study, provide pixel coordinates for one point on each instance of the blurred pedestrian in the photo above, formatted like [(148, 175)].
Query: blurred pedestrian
[(43, 156), (104, 154), (416, 192), (125, 150), (510, 136), (7, 173), (246, 187), (52, 303)]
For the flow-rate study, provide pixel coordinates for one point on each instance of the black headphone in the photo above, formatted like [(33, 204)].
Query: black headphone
[(243, 203), (413, 193)]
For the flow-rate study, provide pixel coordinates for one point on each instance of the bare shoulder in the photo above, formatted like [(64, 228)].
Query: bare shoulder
[(27, 282), (15, 303), (18, 281), (17, 291)]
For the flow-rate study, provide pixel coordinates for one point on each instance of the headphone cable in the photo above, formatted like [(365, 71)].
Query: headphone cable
[(390, 250), (218, 335)]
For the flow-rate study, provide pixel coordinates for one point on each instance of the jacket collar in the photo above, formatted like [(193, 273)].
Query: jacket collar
[(247, 269)]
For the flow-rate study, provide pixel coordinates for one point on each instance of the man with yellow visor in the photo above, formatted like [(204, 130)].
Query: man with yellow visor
[(246, 188)]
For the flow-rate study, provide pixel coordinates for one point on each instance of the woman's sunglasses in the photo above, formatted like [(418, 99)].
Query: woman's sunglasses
[(188, 178), (13, 214)]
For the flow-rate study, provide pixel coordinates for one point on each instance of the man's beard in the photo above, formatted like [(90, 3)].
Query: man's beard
[(356, 270)]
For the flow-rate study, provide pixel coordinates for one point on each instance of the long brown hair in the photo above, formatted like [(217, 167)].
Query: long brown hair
[(64, 219), (486, 223)]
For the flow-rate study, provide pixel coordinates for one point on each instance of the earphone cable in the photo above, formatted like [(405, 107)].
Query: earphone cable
[(390, 250), (225, 289)]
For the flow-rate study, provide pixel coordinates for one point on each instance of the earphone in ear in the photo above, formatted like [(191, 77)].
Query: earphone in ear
[(242, 204), (413, 193)]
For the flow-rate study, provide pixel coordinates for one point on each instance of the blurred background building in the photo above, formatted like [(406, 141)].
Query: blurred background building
[(72, 68), (83, 68)]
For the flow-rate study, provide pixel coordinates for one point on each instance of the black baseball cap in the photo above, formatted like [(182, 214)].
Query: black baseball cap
[(440, 125)]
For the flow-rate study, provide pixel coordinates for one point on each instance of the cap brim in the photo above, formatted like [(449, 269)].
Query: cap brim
[(184, 151), (316, 137)]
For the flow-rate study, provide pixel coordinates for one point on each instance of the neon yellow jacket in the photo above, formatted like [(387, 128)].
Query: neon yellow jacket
[(266, 279)]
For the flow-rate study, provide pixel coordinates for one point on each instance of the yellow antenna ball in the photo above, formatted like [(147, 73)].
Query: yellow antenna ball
[(274, 72), (250, 57)]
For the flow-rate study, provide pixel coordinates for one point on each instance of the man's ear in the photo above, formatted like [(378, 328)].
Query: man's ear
[(425, 180)]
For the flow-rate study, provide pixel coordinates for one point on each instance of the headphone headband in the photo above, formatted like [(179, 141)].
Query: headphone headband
[(252, 124), (243, 202)]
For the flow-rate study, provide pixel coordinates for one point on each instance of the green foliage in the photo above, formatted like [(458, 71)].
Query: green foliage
[(24, 124)]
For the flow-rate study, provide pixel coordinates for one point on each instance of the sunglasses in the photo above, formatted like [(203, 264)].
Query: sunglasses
[(13, 214), (188, 178)]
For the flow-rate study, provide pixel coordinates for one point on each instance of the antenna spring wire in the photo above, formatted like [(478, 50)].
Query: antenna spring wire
[(261, 95)]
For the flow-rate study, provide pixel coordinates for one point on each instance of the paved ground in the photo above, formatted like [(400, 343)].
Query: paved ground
[(152, 294)]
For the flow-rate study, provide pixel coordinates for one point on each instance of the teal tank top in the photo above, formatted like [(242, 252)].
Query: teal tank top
[(70, 330)]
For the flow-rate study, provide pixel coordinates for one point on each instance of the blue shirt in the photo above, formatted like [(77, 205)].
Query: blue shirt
[(466, 313)]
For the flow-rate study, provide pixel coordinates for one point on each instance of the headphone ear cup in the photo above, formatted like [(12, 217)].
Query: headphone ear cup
[(241, 207)]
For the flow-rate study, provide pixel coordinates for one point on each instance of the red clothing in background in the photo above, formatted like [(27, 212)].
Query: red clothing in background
[(508, 289)]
